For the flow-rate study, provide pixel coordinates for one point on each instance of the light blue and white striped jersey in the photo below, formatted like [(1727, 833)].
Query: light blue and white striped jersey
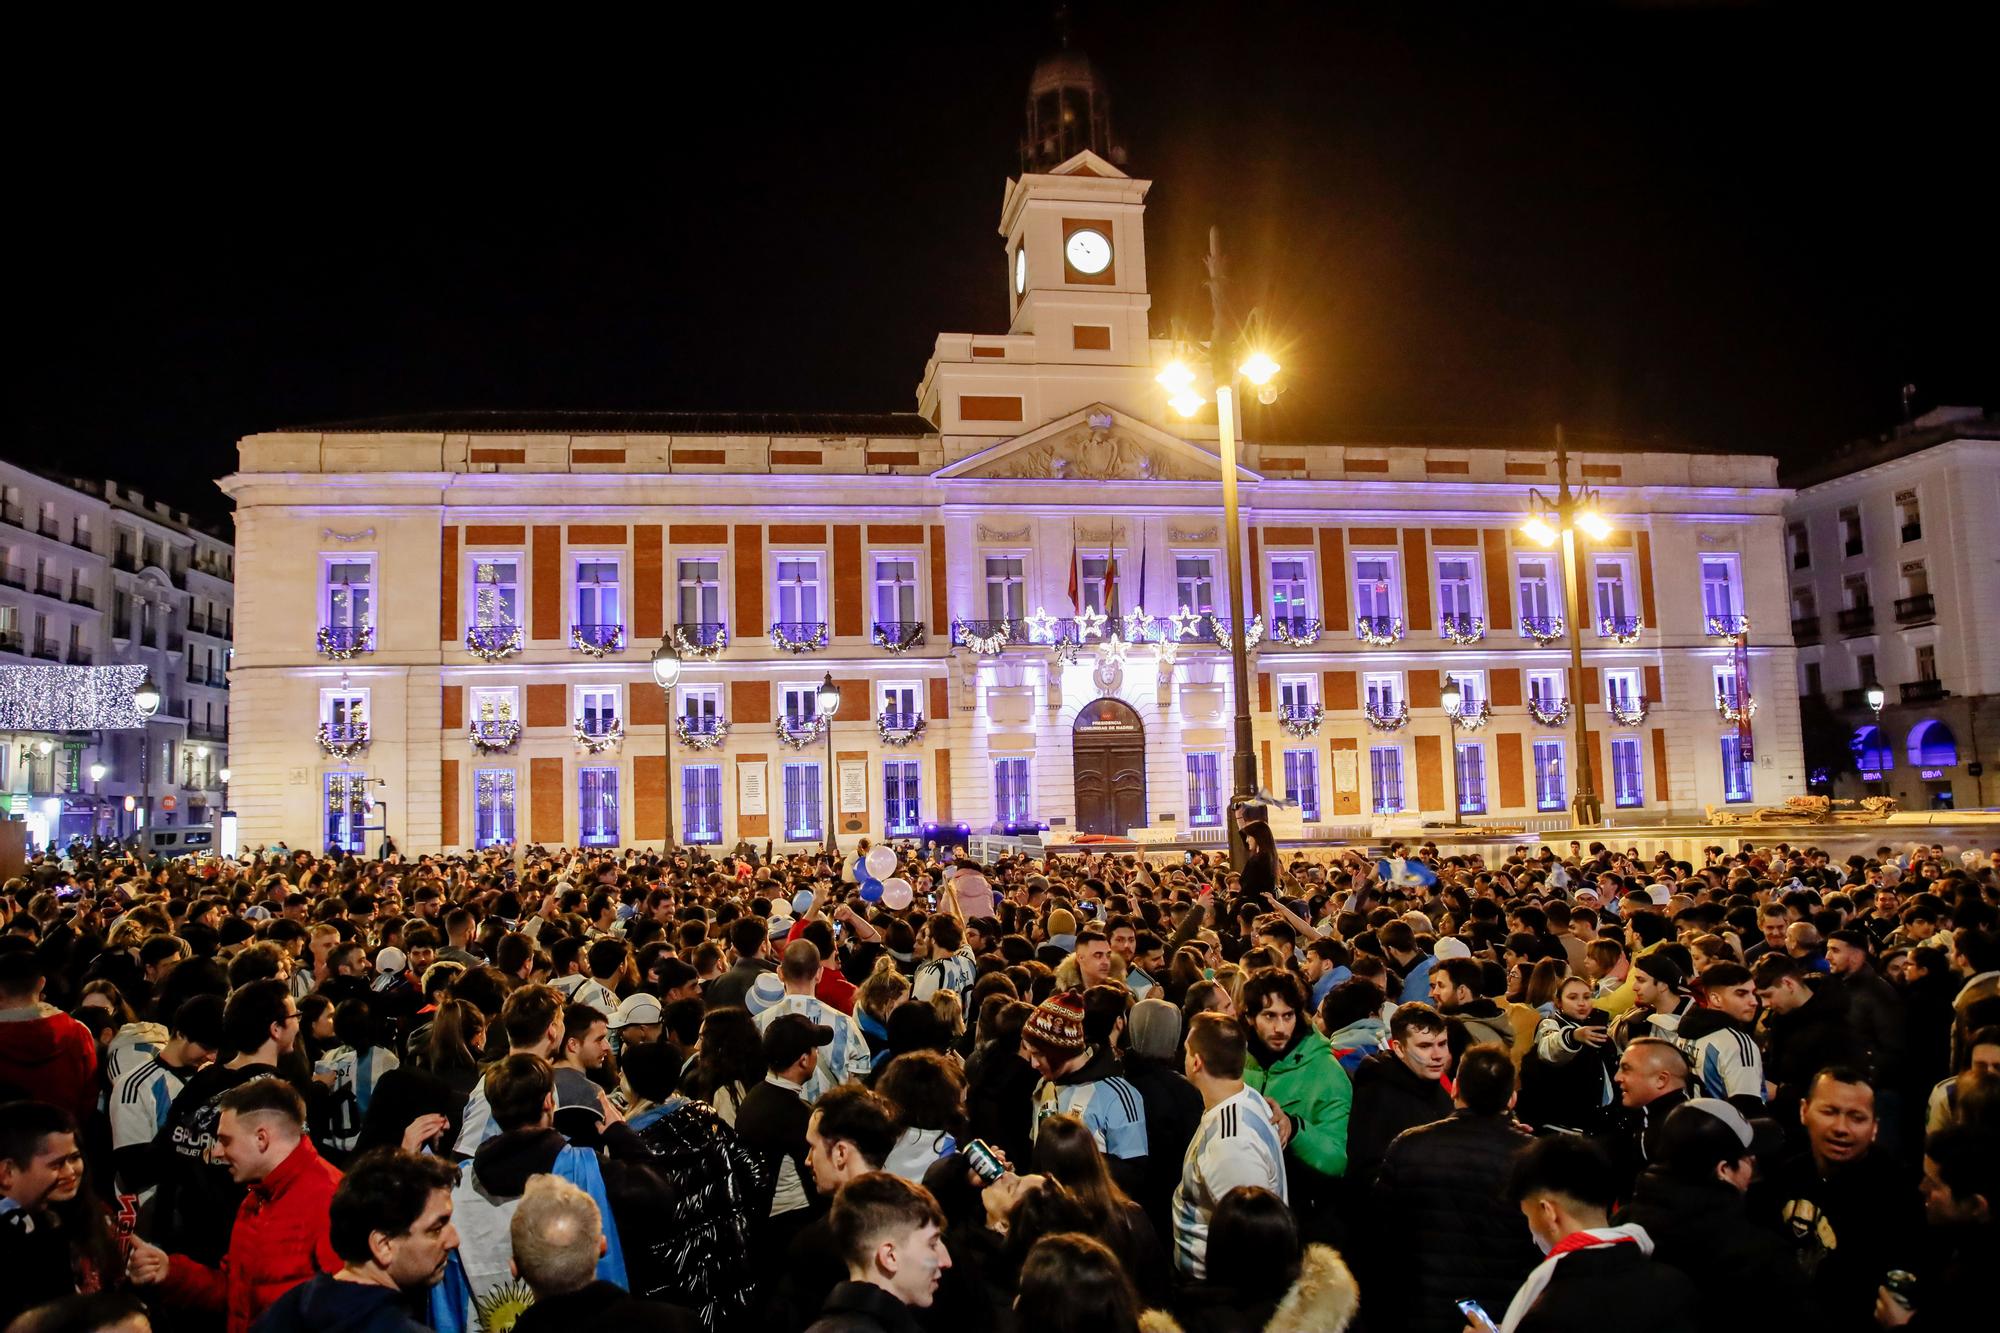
[(953, 974), (844, 1058), (1727, 1062), (1235, 1144), (355, 1074), (1110, 1106), (139, 1101)]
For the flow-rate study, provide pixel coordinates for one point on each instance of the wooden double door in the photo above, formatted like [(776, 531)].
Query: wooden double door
[(1109, 751)]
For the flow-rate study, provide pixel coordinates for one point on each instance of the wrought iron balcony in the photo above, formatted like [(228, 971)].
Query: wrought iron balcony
[(197, 623), (49, 527), (48, 587), (599, 724), (896, 728), (1378, 630), (125, 560), (1735, 705), (799, 636), (1297, 631), (176, 641), (48, 650), (898, 636), (1857, 620), (10, 641), (1461, 627), (14, 577), (1544, 630), (491, 642), (1805, 629), (703, 639), (1623, 628), (344, 641), (700, 726), (1726, 627), (80, 539), (1918, 610), (1387, 716), (342, 739), (597, 640), (1913, 531), (1922, 691), (799, 732), (1300, 720), (490, 734), (79, 655), (1854, 698), (11, 514), (989, 636), (82, 596)]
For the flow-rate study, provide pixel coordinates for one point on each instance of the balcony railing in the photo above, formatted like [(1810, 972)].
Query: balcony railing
[(11, 514), (48, 650), (992, 635), (49, 527), (1857, 620), (176, 642), (1461, 627), (1918, 610), (1298, 631), (701, 639), (79, 655), (343, 641), (489, 734), (492, 642), (1913, 531), (1623, 628), (1378, 630), (80, 539), (82, 596), (10, 641), (799, 636), (1805, 629), (1854, 698), (49, 587), (341, 739), (899, 728), (597, 640), (207, 731), (898, 636), (14, 577), (197, 622), (1726, 627), (1922, 691), (1542, 629), (126, 560), (599, 724)]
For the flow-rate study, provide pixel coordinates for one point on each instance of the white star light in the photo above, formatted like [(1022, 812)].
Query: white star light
[(1041, 627), (1185, 622), (1165, 653), (1138, 625), (1090, 623), (1112, 651)]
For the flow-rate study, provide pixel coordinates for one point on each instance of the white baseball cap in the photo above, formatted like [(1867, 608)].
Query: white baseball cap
[(635, 1009), (1451, 946)]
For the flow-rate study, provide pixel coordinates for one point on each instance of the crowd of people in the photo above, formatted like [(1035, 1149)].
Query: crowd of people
[(543, 1089)]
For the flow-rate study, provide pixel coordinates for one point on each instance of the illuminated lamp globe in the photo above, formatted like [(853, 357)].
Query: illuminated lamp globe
[(666, 666), (147, 697)]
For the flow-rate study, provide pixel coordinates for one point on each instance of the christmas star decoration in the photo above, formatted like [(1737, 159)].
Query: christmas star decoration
[(1089, 623), (1111, 652), (1138, 625), (1185, 621), (1041, 627)]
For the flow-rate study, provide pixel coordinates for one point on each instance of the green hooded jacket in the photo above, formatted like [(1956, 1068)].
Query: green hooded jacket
[(1309, 1085)]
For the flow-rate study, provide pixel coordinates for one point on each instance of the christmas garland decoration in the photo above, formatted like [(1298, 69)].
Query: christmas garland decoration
[(600, 741), (499, 734), (1378, 631), (1621, 630), (612, 643), (814, 638), (1304, 637), (1544, 630), (1251, 639), (1549, 717), (354, 742), (1727, 627), (1394, 719), (490, 643), (912, 634), (1627, 715), (1476, 718), (1734, 712), (1461, 630), (806, 733), (693, 648), (700, 740), (330, 644), (985, 645), (1299, 726), (898, 736), (1067, 650)]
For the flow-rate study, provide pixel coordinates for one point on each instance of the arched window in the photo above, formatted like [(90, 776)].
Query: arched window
[(1932, 745), (1871, 749)]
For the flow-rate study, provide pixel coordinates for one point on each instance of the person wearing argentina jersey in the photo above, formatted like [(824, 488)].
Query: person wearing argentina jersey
[(1237, 1142), (1719, 1038), (142, 1095), (846, 1056), (950, 964), (1083, 1080)]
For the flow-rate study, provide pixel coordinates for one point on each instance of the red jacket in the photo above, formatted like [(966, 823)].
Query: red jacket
[(47, 1055), (279, 1240)]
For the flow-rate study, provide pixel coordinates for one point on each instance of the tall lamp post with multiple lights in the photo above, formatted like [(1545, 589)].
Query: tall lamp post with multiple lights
[(667, 674), (829, 704), (1558, 518), (146, 698), (1179, 379)]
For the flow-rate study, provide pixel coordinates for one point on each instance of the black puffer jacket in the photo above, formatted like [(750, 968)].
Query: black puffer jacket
[(1565, 1080), (1449, 1233), (1389, 1097), (1701, 1228), (1618, 1286)]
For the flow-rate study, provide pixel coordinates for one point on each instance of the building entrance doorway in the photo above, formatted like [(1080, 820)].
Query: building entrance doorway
[(1109, 749)]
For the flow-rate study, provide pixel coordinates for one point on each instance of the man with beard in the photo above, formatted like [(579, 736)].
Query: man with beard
[(1849, 1215), (1293, 1066)]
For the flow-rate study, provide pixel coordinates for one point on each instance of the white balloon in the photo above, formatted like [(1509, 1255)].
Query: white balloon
[(896, 894), (881, 862)]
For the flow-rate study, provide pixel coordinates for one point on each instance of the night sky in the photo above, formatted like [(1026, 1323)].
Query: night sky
[(1727, 225)]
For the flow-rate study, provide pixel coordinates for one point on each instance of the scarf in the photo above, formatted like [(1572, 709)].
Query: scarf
[(1591, 1238)]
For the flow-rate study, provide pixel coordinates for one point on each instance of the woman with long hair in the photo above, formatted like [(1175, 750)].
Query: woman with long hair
[(1188, 968), (730, 1061), (1261, 1279), (1066, 1152), (1566, 1074), (874, 1000), (1071, 1283), (926, 1091)]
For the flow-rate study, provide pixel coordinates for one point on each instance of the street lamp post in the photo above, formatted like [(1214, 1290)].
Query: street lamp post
[(97, 772), (1571, 510), (1876, 697), (146, 698), (1453, 699), (667, 674), (829, 704), (222, 775), (1179, 381)]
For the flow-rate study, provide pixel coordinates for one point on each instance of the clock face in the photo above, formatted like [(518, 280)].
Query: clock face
[(1021, 270), (1088, 251)]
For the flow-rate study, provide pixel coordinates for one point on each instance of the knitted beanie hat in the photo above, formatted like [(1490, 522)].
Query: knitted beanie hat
[(1062, 921), (1056, 1027)]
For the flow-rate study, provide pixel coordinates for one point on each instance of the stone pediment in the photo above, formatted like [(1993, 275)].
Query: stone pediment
[(1095, 444)]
